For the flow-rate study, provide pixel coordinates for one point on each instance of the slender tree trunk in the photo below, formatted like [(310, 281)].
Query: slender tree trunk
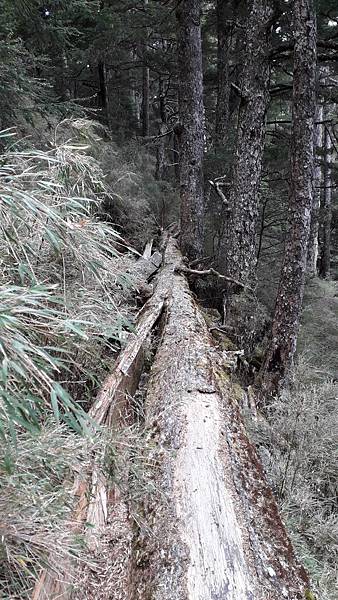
[(102, 75), (145, 86), (175, 156), (326, 208), (280, 354), (102, 85), (237, 248), (312, 257), (191, 130), (162, 129), (62, 74), (160, 152), (224, 37), (145, 101)]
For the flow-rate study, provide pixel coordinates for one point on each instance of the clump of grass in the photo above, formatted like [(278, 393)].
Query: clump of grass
[(318, 338), (298, 446)]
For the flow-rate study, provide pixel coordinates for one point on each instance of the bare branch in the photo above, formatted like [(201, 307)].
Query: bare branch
[(215, 273)]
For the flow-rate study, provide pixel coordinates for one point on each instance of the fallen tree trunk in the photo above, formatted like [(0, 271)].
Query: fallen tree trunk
[(110, 406), (211, 528)]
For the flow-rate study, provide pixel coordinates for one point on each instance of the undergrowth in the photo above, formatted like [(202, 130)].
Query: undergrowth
[(62, 276), (64, 305), (36, 502), (297, 442)]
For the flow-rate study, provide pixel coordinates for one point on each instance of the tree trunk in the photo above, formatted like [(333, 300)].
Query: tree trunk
[(237, 248), (312, 257), (145, 85), (210, 527), (280, 354), (102, 96), (327, 208), (191, 130), (162, 129), (62, 87), (225, 8), (102, 75)]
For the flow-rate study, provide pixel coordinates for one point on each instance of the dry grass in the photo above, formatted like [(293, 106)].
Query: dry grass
[(36, 503), (297, 442), (63, 310)]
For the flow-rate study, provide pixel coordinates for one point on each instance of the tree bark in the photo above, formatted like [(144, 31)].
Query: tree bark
[(280, 354), (325, 264), (225, 9), (191, 129), (211, 529), (237, 247), (312, 257), (145, 84)]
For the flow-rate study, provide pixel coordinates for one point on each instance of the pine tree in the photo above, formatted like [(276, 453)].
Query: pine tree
[(280, 354), (238, 246), (191, 128)]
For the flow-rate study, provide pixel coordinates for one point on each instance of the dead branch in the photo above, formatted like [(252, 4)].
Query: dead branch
[(217, 185), (148, 249), (215, 273)]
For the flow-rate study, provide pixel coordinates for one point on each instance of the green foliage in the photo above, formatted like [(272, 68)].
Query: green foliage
[(51, 240), (140, 204), (20, 92)]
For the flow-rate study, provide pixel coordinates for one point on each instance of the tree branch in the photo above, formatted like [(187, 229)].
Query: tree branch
[(215, 273)]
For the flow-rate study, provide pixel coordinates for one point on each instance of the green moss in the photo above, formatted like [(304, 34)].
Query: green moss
[(237, 392), (223, 341), (223, 376)]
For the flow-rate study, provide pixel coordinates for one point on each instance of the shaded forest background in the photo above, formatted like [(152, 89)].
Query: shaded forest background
[(90, 134)]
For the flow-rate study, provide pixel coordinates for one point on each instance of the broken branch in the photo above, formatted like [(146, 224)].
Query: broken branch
[(215, 273)]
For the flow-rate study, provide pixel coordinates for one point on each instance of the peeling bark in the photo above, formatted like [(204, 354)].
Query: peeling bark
[(211, 527)]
